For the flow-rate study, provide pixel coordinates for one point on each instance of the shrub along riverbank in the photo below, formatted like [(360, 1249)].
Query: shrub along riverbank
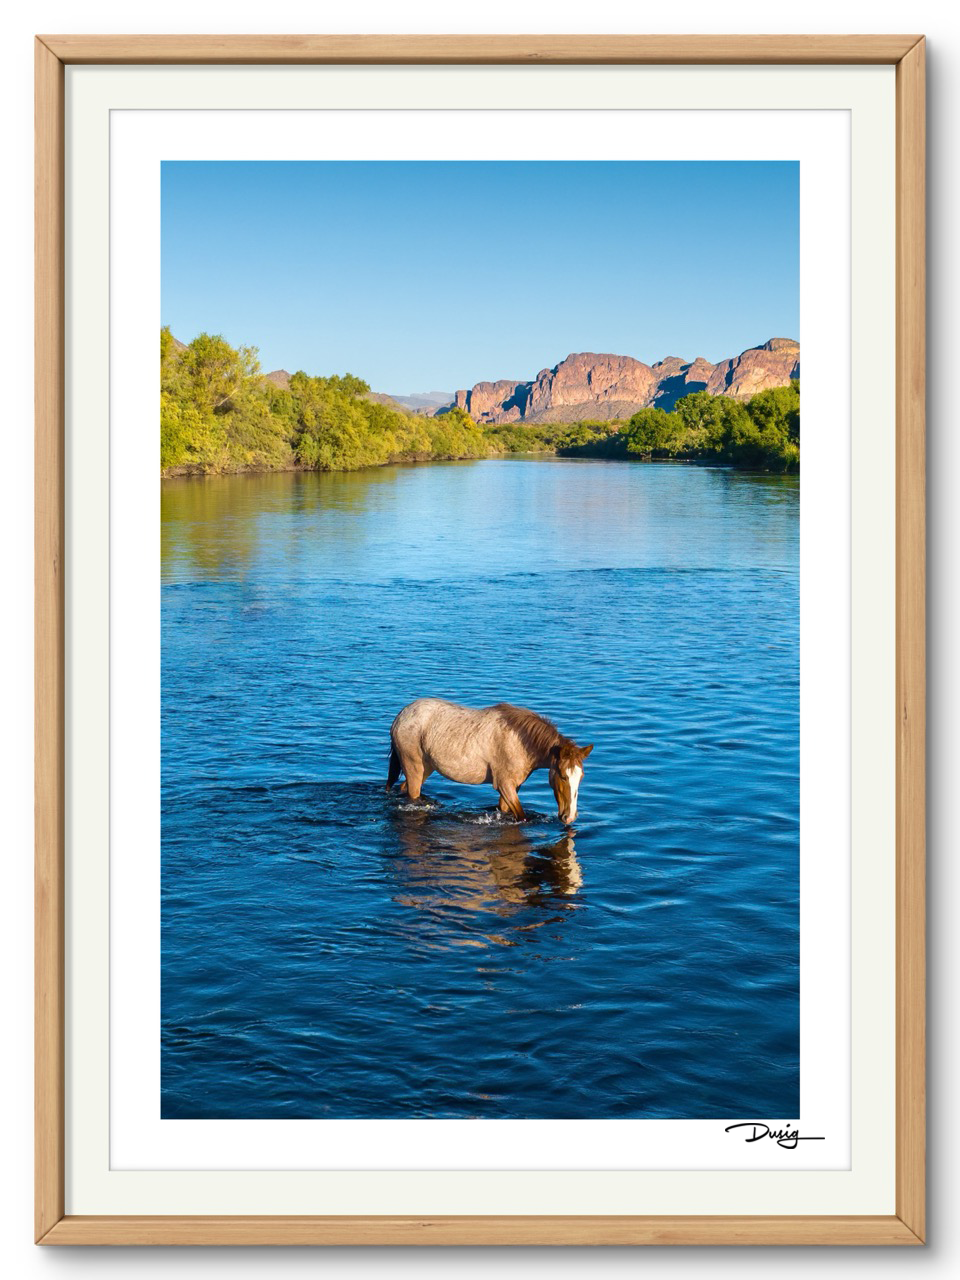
[(218, 414), (762, 434)]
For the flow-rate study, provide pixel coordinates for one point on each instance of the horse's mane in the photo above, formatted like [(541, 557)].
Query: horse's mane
[(537, 733)]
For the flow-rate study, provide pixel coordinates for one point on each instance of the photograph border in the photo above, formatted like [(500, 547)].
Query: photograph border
[(52, 1226)]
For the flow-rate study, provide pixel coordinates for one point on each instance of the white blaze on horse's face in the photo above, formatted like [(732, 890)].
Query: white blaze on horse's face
[(573, 778)]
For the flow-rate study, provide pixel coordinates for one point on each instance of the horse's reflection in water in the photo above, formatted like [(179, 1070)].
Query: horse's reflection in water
[(461, 870)]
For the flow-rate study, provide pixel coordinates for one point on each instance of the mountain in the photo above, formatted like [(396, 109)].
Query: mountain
[(424, 401), (588, 385), (772, 365)]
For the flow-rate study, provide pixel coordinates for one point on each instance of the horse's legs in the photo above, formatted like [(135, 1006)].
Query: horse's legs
[(509, 800), (415, 773)]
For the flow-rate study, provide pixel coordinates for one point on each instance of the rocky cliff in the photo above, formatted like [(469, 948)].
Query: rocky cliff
[(772, 365), (588, 385)]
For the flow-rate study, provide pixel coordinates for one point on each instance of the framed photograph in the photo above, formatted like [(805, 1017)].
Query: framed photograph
[(480, 785)]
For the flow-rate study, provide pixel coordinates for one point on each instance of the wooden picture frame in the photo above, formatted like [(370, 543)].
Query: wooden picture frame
[(907, 1225)]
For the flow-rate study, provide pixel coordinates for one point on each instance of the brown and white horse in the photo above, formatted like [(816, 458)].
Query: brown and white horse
[(501, 745)]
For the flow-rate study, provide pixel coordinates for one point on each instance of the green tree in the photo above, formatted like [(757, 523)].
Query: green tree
[(708, 422), (778, 408), (652, 431), (214, 373)]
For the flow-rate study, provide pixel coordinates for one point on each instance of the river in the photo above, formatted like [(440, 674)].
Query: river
[(329, 950)]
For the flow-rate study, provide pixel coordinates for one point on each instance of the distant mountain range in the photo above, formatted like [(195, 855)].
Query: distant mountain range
[(424, 401), (588, 385)]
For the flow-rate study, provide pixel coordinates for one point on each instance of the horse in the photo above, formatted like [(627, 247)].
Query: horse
[(501, 745)]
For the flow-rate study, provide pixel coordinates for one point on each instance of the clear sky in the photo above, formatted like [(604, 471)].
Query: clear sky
[(422, 276)]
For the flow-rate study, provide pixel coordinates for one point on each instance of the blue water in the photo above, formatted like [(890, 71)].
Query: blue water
[(333, 951)]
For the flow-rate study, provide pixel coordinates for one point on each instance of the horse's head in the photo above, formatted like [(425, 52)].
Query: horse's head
[(566, 770)]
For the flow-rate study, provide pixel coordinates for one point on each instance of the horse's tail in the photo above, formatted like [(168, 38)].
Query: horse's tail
[(393, 773)]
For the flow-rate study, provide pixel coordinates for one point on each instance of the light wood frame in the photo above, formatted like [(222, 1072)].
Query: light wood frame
[(907, 1225)]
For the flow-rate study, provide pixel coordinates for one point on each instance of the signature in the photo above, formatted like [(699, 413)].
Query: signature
[(787, 1138)]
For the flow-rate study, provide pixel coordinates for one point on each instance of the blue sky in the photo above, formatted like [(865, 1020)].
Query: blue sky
[(421, 276)]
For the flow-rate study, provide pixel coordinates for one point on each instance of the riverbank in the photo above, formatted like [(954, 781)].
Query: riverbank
[(525, 449), (220, 416)]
